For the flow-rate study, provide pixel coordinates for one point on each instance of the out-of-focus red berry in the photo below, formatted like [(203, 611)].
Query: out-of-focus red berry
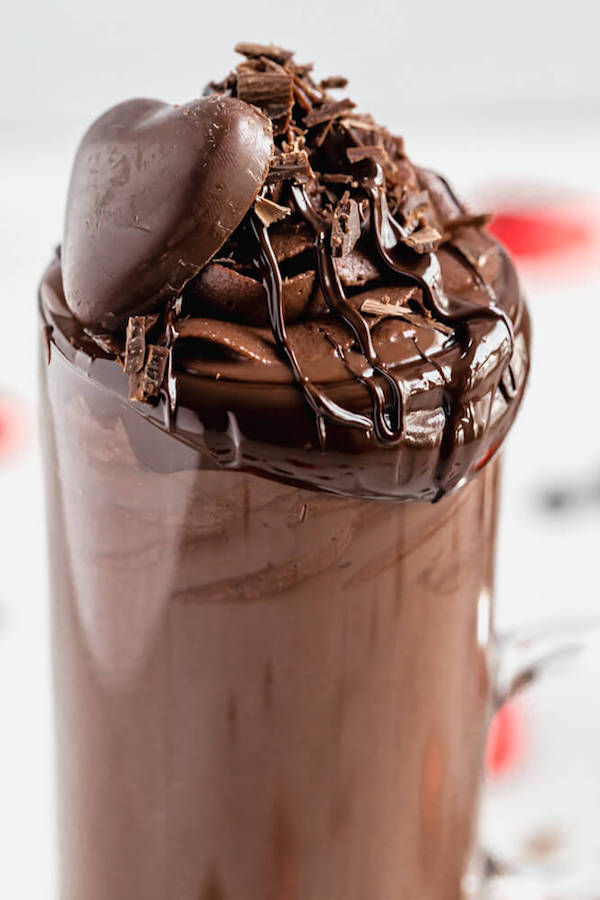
[(505, 741), (12, 427), (533, 233)]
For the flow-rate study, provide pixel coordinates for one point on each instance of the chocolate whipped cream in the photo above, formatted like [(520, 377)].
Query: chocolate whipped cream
[(265, 274)]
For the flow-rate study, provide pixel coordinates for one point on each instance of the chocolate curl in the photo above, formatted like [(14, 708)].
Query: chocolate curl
[(345, 230), (147, 383), (293, 165), (269, 212), (425, 240), (383, 307), (270, 51), (269, 89), (135, 342), (334, 81), (328, 112)]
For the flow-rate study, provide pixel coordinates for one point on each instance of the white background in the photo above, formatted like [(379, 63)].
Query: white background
[(500, 97)]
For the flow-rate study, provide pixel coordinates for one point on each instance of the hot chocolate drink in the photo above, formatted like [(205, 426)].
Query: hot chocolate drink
[(280, 361)]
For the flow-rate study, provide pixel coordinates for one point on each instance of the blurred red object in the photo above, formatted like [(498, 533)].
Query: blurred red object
[(12, 428), (533, 233), (505, 741)]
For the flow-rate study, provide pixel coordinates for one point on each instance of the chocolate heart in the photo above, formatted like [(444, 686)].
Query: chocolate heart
[(156, 190)]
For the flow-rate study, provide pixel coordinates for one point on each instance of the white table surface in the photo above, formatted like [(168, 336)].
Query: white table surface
[(547, 566)]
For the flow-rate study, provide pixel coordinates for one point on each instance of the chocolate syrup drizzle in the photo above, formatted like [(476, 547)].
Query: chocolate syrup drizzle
[(422, 270), (322, 406)]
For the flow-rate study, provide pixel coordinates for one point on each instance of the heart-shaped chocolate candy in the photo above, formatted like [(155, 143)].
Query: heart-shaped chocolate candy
[(156, 190)]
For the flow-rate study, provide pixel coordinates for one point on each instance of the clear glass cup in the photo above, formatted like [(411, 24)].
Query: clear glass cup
[(262, 692), (539, 817)]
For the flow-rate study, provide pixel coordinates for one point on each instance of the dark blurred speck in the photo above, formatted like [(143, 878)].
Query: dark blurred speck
[(570, 496)]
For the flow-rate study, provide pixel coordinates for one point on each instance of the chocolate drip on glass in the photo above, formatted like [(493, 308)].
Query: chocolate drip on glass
[(322, 406), (424, 271), (387, 419)]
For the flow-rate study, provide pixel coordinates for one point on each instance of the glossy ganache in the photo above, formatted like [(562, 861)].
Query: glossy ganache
[(266, 275)]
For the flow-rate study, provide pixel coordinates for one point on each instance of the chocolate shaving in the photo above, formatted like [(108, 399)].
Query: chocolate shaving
[(345, 230), (156, 365), (328, 111), (314, 94), (147, 383), (378, 154), (295, 140), (271, 91), (321, 137), (301, 68), (269, 212), (334, 178), (384, 307), (293, 165), (429, 322), (365, 124), (300, 95), (255, 51), (334, 81), (226, 85), (135, 342), (367, 133), (365, 151), (425, 240)]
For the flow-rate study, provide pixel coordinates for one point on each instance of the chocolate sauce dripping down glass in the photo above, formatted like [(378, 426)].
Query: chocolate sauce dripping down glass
[(425, 271), (474, 269), (322, 406), (422, 270), (507, 391), (387, 419), (388, 425)]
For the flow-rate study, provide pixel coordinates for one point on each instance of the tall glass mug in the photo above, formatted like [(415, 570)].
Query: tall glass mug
[(262, 692)]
